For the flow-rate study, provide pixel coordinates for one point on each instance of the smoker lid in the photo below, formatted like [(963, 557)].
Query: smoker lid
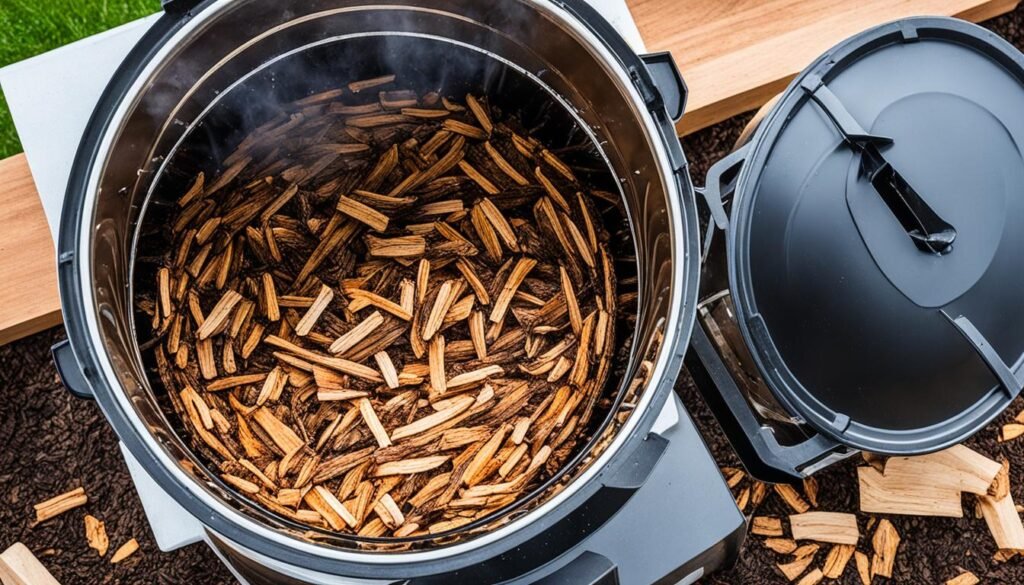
[(877, 244)]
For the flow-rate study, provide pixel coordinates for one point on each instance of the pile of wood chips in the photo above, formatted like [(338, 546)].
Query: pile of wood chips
[(927, 485), (390, 313), (95, 529)]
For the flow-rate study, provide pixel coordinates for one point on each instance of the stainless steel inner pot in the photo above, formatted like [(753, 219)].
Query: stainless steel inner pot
[(200, 59)]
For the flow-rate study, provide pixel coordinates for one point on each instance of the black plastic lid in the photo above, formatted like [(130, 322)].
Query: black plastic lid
[(877, 255)]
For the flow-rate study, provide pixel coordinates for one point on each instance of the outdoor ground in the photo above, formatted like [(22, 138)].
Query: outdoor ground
[(51, 442)]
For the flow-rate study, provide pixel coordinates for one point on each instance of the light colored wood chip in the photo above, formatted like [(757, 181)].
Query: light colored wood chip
[(283, 436), (552, 191), (508, 290), (329, 508), (480, 113), (837, 559), (478, 178), (57, 505), (410, 466), (273, 311), (456, 406), (885, 542), (338, 364), (1010, 431), (831, 527), (126, 550), (387, 369), (503, 164), (241, 484), (477, 334), (781, 545), (96, 534), (863, 567), (309, 320), (793, 569), (278, 203), (371, 420), (792, 498), (389, 512), (435, 355), (474, 377), (931, 493), (1003, 521), (362, 213), (575, 318), (399, 247), (501, 225), (811, 490), (362, 298), (766, 526)]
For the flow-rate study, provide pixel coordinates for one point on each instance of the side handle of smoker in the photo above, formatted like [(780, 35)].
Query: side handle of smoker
[(756, 445), (69, 371)]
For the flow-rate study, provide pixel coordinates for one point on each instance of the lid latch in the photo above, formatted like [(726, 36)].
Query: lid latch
[(929, 232)]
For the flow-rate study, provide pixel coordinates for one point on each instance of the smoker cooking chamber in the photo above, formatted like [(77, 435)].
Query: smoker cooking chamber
[(230, 39)]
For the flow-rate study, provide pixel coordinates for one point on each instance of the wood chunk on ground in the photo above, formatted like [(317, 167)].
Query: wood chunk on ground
[(921, 494), (126, 550), (96, 534), (831, 527), (781, 545), (1010, 432), (57, 505), (885, 543), (837, 559), (957, 466), (863, 567), (766, 526), (792, 498), (18, 566), (1003, 521), (795, 568)]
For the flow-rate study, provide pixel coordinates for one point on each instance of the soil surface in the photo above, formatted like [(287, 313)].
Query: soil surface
[(52, 442)]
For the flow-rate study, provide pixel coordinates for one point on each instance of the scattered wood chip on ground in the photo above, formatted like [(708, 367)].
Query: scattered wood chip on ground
[(126, 550), (830, 527), (885, 542), (96, 534), (57, 505)]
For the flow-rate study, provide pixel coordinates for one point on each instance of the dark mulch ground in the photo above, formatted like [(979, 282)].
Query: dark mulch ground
[(52, 442)]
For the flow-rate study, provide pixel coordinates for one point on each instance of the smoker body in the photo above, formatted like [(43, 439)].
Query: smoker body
[(195, 54)]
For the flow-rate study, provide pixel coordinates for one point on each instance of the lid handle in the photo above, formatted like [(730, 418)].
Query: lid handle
[(929, 232)]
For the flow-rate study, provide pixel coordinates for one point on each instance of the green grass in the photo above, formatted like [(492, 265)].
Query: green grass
[(30, 27)]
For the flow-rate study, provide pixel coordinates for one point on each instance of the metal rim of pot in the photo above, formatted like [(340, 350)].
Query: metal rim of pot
[(95, 371)]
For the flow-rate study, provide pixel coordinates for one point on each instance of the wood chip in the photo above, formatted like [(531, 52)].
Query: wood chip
[(96, 534), (309, 320), (781, 545), (793, 569), (863, 567), (57, 505), (124, 551), (1003, 521), (792, 498), (766, 526), (837, 559), (916, 495), (831, 527), (376, 428), (812, 578), (885, 542)]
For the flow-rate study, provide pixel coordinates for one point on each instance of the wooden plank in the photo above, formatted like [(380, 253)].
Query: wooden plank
[(29, 302), (18, 566), (736, 54)]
